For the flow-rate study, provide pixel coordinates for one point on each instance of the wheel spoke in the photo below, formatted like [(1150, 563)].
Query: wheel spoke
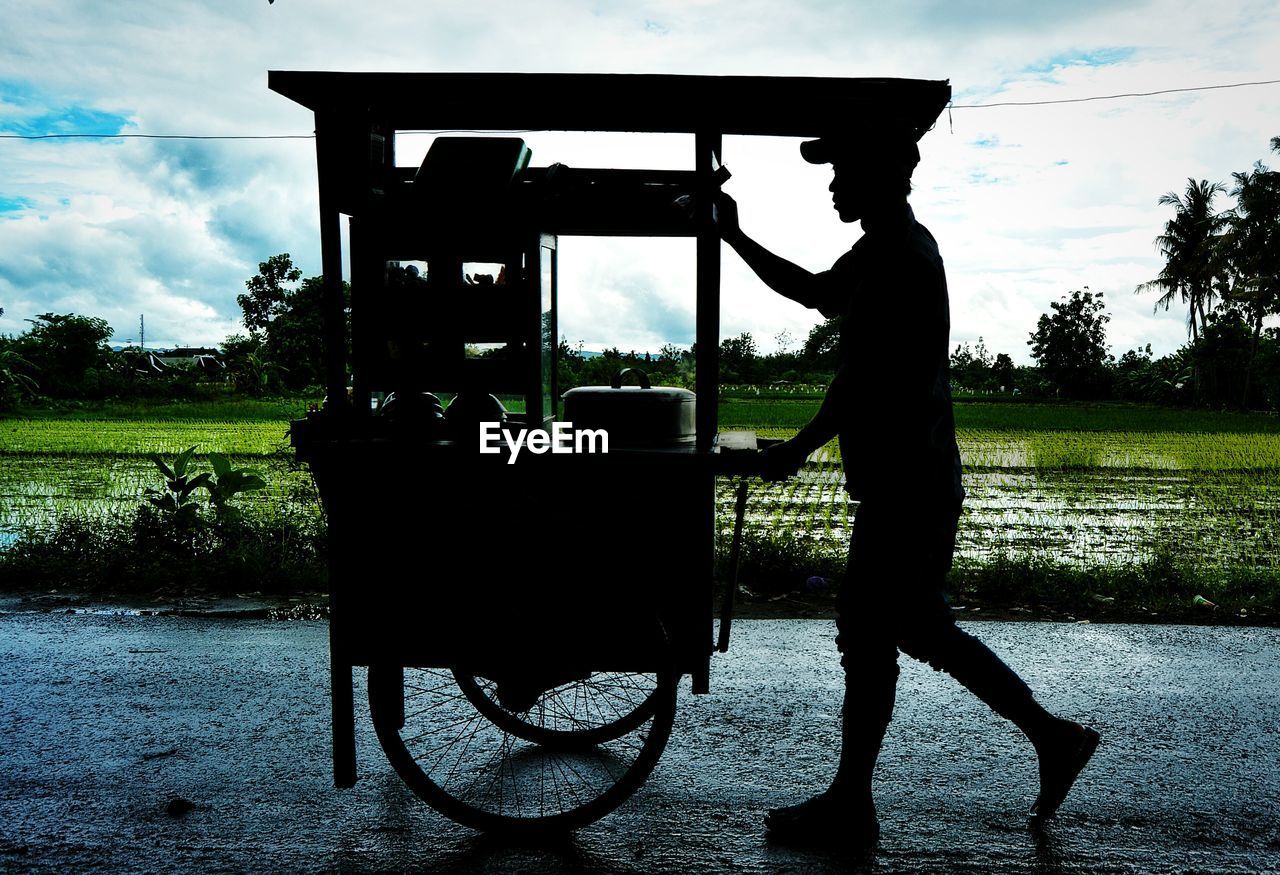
[(575, 753)]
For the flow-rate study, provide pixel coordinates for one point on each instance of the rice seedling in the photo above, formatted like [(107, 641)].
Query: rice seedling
[(779, 411), (1091, 499), (51, 437), (1101, 487)]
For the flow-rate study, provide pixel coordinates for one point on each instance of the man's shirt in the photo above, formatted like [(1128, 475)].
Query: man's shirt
[(892, 388)]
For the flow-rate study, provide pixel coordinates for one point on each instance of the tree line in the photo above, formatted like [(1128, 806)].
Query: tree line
[(1228, 363), (68, 357), (1221, 265)]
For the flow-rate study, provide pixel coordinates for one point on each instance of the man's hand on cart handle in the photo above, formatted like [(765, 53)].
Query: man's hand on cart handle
[(724, 211), (725, 214), (781, 461)]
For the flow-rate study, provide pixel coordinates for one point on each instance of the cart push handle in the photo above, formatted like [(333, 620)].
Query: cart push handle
[(735, 556), (739, 457)]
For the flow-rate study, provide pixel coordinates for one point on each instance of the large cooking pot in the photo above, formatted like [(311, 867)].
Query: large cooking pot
[(634, 416)]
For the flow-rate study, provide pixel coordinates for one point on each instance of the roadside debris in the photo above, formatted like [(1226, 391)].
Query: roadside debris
[(159, 754), (177, 806)]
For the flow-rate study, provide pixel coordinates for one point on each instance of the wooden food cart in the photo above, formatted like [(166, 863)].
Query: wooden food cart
[(523, 634)]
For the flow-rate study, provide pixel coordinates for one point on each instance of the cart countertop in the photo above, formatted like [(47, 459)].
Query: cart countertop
[(798, 106)]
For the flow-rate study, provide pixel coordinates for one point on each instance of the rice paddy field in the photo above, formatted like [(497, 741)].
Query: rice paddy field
[(1080, 485), (1121, 498), (1074, 485)]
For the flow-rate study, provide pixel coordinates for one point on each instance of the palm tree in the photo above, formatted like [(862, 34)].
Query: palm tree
[(1252, 248), (16, 381), (1192, 256)]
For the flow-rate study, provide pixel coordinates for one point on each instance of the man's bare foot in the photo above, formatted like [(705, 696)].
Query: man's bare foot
[(826, 819), (1063, 755)]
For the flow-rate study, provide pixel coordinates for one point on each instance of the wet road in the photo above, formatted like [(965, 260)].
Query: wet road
[(104, 718)]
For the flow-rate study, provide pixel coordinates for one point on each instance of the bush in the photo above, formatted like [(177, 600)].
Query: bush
[(776, 562), (176, 542), (146, 553), (1164, 586)]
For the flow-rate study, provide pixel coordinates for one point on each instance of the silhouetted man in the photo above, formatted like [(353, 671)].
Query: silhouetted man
[(890, 405)]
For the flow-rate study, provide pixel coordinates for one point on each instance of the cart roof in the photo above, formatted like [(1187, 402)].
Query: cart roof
[(762, 105)]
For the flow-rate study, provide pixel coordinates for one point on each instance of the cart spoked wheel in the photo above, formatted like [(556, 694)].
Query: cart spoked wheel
[(575, 713), (566, 761)]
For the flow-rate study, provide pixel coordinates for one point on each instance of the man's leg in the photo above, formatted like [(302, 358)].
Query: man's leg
[(869, 657), (928, 632), (845, 811), (870, 660)]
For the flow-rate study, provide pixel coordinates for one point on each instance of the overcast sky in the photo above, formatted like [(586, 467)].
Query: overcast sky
[(1027, 203)]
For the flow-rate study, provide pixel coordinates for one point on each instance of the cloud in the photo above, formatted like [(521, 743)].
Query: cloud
[(28, 110), (1027, 203), (1008, 16), (1099, 57), (632, 294), (14, 204)]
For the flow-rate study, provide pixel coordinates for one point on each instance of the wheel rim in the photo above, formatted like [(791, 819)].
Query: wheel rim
[(489, 774), (576, 714)]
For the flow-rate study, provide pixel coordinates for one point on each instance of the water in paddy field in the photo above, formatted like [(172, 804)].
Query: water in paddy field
[(37, 490), (1095, 516)]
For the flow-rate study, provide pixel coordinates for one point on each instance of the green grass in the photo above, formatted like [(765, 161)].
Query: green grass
[(769, 413), (770, 409), (1138, 451), (1124, 418), (1107, 453), (980, 448), (1163, 587), (1219, 505), (212, 409), (132, 437), (36, 490), (280, 552)]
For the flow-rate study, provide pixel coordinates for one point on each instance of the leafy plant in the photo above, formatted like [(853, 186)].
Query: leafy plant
[(177, 500), (228, 482)]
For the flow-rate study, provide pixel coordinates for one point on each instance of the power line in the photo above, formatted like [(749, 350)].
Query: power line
[(157, 136), (1126, 94), (220, 136), (1113, 96), (475, 131)]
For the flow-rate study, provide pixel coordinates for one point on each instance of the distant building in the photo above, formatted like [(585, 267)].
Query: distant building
[(201, 357), (143, 362), (155, 362)]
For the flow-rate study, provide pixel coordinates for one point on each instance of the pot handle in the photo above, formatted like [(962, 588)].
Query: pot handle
[(640, 375)]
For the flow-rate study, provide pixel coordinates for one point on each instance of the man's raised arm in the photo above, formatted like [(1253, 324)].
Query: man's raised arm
[(787, 279)]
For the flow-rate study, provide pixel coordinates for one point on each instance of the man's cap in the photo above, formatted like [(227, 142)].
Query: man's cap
[(888, 143)]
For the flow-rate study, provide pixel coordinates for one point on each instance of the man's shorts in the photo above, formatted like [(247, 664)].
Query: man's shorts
[(899, 557)]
